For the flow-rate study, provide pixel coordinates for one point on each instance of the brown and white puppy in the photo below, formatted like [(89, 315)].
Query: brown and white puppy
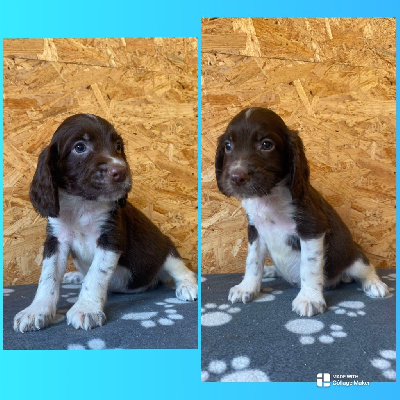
[(81, 185), (262, 162)]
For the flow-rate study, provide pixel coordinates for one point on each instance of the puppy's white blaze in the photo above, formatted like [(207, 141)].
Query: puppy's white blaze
[(117, 161), (248, 112), (239, 164), (185, 279)]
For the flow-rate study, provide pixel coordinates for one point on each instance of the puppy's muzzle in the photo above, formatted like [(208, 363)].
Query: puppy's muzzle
[(117, 172), (239, 177)]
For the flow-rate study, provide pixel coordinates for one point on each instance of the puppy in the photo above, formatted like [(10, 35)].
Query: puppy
[(262, 162), (81, 185)]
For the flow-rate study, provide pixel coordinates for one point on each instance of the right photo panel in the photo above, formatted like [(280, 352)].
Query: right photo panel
[(298, 200)]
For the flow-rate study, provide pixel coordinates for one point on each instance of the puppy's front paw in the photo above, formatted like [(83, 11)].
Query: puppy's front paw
[(375, 288), (307, 306), (187, 290), (242, 293), (33, 318), (74, 277), (85, 316)]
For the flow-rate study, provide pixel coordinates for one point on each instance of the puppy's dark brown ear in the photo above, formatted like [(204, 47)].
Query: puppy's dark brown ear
[(298, 170), (219, 162), (43, 192)]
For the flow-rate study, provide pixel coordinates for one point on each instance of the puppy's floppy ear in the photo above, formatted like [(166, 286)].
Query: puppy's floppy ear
[(44, 192), (219, 162), (298, 166)]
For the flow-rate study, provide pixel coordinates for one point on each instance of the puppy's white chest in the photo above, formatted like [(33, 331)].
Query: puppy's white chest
[(79, 226), (272, 213), (273, 218)]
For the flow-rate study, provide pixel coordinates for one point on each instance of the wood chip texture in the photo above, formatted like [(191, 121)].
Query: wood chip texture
[(332, 79), (146, 87)]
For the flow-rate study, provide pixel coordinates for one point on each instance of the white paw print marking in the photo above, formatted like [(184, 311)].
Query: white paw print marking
[(350, 308), (310, 329), (203, 279), (71, 297), (238, 371), (151, 319), (390, 277), (267, 279), (213, 315), (267, 294), (7, 291), (71, 286), (92, 344), (384, 363)]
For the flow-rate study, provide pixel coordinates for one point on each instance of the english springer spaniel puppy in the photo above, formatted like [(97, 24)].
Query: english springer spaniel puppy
[(262, 162), (81, 185)]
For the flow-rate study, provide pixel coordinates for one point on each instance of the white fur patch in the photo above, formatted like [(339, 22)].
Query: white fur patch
[(371, 283), (248, 112), (272, 215), (118, 161), (185, 280), (79, 226), (42, 311), (87, 312)]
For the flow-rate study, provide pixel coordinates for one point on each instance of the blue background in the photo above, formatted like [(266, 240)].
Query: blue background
[(152, 374)]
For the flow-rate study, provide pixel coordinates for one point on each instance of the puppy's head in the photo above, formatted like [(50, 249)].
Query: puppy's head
[(85, 158), (256, 152)]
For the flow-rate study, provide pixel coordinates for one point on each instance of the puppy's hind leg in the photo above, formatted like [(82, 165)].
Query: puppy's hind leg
[(185, 280), (366, 274)]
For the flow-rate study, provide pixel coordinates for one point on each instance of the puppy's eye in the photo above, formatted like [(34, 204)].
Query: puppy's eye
[(80, 147), (228, 146), (267, 145), (118, 147)]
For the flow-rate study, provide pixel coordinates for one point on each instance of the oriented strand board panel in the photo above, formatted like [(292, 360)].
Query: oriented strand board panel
[(146, 87), (332, 79)]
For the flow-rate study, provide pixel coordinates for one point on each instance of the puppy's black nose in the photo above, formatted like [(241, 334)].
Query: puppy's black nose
[(117, 172), (239, 178)]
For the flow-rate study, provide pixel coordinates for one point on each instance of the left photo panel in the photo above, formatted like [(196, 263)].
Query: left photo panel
[(100, 198)]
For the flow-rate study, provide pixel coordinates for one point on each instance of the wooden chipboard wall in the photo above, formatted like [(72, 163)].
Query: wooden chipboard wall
[(146, 87), (332, 79)]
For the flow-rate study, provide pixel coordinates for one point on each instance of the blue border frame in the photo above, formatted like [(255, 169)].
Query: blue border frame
[(154, 374)]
